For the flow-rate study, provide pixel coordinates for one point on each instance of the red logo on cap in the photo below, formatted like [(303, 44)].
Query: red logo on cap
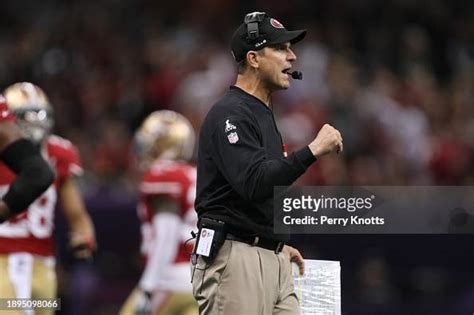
[(276, 24)]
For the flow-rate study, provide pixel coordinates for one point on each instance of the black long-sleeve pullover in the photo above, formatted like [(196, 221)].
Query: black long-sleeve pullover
[(240, 160)]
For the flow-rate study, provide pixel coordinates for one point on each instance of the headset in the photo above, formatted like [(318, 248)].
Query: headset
[(252, 20)]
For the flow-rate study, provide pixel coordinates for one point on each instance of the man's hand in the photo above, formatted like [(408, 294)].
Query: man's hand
[(294, 256), (83, 246), (328, 140)]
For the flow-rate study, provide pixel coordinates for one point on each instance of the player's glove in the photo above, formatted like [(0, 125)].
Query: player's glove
[(143, 304)]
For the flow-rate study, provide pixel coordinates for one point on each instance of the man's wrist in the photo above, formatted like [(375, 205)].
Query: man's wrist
[(314, 150)]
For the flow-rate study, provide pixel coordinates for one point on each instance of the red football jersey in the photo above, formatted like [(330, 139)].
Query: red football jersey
[(32, 231), (178, 181), (5, 114)]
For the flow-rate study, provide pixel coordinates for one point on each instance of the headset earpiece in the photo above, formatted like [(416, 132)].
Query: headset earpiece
[(252, 20)]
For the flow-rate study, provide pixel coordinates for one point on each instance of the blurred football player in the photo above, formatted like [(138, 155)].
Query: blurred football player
[(27, 262), (165, 141), (33, 174)]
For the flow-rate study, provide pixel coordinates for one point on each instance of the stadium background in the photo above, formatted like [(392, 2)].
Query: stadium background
[(396, 77)]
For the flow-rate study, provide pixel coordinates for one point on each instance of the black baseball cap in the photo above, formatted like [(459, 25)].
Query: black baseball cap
[(269, 32)]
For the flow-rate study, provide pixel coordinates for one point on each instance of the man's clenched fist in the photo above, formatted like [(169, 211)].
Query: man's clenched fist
[(328, 140)]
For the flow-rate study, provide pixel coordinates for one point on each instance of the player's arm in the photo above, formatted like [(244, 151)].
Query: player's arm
[(166, 226), (34, 175), (82, 235)]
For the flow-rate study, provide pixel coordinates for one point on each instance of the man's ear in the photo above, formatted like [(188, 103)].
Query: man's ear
[(252, 59)]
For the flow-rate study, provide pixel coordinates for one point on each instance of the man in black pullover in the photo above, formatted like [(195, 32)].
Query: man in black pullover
[(240, 265)]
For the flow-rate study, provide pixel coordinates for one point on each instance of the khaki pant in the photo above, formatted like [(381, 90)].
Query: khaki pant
[(165, 303), (42, 282), (245, 280)]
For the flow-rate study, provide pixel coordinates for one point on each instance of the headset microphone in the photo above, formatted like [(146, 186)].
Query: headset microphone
[(297, 75)]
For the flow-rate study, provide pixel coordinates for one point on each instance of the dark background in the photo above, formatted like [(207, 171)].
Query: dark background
[(395, 77)]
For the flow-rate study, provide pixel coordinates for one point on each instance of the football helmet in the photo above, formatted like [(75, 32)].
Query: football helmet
[(31, 107), (165, 134)]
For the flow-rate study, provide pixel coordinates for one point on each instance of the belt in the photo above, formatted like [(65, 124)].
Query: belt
[(266, 243)]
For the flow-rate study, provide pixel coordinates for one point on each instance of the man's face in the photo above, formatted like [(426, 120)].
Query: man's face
[(275, 61)]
